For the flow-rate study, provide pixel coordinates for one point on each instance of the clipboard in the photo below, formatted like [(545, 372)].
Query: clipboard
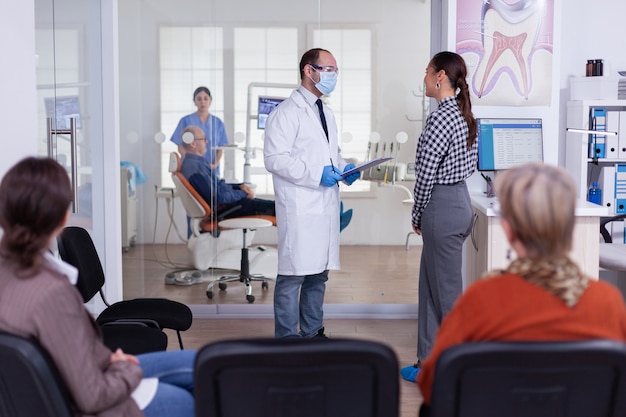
[(365, 166)]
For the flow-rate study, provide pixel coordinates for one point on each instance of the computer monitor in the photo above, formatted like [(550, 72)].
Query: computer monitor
[(66, 108), (505, 143), (266, 105)]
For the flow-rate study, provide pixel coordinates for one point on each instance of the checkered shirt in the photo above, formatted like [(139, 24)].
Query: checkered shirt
[(442, 155)]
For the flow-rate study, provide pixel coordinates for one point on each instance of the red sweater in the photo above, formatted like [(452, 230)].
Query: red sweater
[(509, 308)]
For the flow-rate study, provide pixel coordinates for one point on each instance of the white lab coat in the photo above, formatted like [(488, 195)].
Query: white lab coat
[(307, 213)]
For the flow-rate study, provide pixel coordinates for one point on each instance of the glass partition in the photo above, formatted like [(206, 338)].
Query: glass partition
[(243, 50)]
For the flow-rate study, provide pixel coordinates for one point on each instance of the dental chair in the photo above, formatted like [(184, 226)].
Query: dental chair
[(216, 242)]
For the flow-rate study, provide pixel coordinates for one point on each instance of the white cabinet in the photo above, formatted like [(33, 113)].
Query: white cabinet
[(486, 248), (587, 170)]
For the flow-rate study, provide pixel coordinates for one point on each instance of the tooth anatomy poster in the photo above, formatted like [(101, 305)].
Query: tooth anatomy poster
[(507, 46)]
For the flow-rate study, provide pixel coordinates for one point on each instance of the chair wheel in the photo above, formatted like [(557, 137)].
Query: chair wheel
[(264, 285), (222, 286), (209, 294), (250, 298)]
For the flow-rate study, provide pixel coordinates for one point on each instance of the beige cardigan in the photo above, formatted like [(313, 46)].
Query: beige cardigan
[(50, 309)]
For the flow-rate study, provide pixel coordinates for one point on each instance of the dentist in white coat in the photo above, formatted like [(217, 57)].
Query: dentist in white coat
[(303, 156)]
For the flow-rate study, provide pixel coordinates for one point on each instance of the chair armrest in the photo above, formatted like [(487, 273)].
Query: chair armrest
[(604, 232), (225, 213), (216, 232)]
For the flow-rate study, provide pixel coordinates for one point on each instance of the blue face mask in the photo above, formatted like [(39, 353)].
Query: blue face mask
[(327, 83)]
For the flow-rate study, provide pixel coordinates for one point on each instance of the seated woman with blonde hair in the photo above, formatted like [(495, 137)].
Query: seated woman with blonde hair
[(542, 295)]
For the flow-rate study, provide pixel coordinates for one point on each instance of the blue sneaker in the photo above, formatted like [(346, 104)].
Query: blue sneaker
[(410, 373)]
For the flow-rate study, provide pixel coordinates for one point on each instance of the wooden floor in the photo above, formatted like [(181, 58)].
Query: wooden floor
[(370, 274)]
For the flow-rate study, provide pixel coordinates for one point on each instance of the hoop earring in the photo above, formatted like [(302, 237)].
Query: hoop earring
[(437, 86)]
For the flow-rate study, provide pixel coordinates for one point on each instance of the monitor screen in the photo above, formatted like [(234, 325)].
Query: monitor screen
[(504, 143), (66, 108), (266, 105)]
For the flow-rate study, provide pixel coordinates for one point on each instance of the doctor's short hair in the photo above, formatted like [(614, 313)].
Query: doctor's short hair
[(310, 57), (539, 202)]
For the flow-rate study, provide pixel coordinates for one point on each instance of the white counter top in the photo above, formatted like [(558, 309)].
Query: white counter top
[(584, 208)]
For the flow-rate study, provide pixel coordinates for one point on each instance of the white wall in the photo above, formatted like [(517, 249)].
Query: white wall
[(18, 107)]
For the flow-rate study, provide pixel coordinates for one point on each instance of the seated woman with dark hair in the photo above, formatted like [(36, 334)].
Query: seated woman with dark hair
[(542, 295), (38, 300)]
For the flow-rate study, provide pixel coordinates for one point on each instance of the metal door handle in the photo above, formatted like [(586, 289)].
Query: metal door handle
[(73, 154)]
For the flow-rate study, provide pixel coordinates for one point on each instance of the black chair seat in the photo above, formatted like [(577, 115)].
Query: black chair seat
[(167, 313), (138, 338)]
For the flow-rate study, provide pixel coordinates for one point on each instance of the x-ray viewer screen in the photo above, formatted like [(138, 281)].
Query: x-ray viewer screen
[(505, 143), (266, 105)]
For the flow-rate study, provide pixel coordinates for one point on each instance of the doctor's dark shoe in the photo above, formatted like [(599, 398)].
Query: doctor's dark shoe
[(320, 334), (410, 373)]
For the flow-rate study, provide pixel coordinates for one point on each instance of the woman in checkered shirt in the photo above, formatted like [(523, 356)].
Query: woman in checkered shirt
[(442, 212)]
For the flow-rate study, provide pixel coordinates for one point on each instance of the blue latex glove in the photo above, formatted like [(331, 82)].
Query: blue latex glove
[(330, 177), (351, 178)]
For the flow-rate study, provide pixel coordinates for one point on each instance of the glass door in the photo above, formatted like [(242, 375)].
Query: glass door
[(69, 45)]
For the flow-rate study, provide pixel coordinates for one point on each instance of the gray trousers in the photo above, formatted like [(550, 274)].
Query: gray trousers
[(446, 223)]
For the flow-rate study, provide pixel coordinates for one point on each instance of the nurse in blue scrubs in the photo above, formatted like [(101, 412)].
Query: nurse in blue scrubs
[(211, 125)]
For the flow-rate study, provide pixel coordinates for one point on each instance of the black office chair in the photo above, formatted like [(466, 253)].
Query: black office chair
[(530, 379), (29, 382), (296, 377), (133, 325)]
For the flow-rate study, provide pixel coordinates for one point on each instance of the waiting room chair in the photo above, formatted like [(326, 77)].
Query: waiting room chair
[(210, 241), (612, 256), (530, 379), (296, 377), (29, 381), (134, 325)]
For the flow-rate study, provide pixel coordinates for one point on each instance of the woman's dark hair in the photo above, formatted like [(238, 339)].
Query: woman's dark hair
[(456, 70), (35, 195), (200, 90)]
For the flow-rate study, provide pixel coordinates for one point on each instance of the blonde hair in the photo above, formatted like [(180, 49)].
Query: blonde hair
[(539, 202)]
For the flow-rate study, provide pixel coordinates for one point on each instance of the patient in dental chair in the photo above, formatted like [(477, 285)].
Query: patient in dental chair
[(216, 192), (220, 195)]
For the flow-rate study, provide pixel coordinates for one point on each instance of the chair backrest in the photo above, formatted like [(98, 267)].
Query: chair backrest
[(531, 379), (606, 236), (77, 249), (303, 377), (195, 206), (29, 382)]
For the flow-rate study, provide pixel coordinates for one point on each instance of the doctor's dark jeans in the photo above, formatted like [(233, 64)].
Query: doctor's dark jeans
[(289, 310), (446, 222)]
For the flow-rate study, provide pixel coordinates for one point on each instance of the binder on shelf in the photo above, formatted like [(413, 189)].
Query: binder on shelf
[(621, 136), (606, 181), (612, 142), (597, 142), (620, 188)]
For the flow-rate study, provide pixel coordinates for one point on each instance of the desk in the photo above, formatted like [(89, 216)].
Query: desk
[(486, 248)]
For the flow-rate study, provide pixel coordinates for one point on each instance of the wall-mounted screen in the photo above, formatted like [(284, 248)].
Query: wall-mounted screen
[(266, 105), (66, 108), (504, 143)]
